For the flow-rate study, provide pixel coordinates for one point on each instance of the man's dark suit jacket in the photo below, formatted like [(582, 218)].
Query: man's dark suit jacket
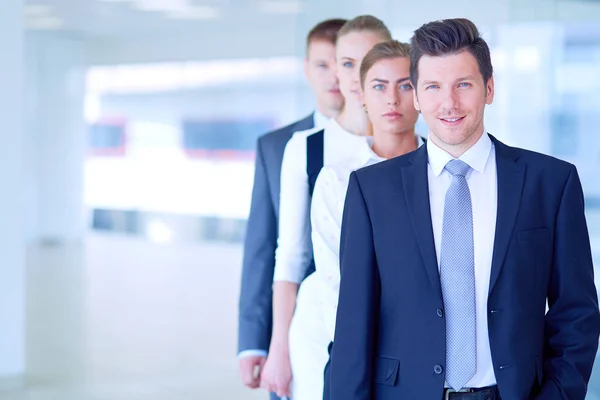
[(390, 332), (255, 303)]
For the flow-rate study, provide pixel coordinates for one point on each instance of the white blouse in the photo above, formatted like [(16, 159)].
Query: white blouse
[(326, 219), (294, 248)]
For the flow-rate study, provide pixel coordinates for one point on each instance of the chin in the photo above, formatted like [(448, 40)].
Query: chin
[(453, 139), (337, 101), (353, 102)]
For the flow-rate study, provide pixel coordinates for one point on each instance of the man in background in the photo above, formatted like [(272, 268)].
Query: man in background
[(255, 305)]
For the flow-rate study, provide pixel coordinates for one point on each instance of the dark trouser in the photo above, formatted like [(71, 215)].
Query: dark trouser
[(327, 375), (490, 393)]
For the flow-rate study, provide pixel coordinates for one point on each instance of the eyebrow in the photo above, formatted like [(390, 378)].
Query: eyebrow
[(386, 81), (464, 78)]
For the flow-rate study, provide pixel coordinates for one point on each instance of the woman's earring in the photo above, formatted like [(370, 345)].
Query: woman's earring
[(365, 107)]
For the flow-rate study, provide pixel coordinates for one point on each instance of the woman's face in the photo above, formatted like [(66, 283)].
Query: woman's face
[(388, 96), (350, 51)]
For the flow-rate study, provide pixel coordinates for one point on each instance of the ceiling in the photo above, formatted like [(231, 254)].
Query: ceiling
[(130, 17), (109, 18), (132, 31)]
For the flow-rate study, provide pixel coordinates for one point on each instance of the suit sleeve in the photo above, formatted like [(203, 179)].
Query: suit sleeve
[(358, 307), (573, 320), (255, 303)]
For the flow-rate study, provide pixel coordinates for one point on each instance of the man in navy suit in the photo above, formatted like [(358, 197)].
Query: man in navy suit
[(255, 308), (450, 254)]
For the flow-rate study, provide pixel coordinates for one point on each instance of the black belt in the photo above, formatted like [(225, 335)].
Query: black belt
[(486, 393)]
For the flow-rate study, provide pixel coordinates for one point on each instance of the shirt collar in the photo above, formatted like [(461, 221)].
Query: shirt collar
[(319, 119), (368, 156), (477, 156)]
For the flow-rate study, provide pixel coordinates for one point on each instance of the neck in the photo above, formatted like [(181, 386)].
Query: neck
[(354, 121), (389, 145), (327, 112), (457, 150)]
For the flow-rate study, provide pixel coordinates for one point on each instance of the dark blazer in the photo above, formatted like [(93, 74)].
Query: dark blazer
[(255, 303), (390, 331)]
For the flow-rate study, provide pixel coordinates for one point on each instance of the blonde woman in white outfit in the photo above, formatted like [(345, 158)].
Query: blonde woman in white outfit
[(342, 136), (387, 95)]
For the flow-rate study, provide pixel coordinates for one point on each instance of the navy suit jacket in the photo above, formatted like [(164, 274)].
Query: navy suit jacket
[(256, 296), (390, 331)]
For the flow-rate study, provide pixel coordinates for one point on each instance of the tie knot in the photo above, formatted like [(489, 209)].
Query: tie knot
[(457, 167)]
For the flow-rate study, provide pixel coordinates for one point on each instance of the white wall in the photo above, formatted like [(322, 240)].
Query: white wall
[(55, 136), (12, 162)]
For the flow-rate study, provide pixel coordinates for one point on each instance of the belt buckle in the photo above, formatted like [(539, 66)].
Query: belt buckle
[(448, 391)]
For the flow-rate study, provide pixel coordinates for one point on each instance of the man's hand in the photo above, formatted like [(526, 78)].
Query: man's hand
[(251, 369)]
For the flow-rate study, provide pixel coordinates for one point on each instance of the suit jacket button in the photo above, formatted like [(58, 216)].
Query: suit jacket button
[(440, 312), (438, 369)]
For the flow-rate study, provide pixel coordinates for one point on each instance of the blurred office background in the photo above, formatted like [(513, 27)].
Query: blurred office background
[(127, 162)]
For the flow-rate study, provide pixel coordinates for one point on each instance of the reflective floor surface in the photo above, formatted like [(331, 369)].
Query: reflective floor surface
[(121, 318)]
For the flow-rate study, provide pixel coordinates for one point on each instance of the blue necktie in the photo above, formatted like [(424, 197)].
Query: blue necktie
[(457, 276)]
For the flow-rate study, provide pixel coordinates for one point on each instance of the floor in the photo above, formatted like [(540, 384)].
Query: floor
[(120, 318)]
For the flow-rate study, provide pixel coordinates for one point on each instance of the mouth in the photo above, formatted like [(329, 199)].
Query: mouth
[(452, 121), (334, 91), (392, 115)]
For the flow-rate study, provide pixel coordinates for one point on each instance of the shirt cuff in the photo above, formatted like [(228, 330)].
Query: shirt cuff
[(252, 353), (290, 272)]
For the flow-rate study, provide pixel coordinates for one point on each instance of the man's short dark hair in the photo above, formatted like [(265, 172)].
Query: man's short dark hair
[(326, 31), (447, 37)]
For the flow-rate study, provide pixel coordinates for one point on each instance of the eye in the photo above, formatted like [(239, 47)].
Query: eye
[(406, 87), (464, 84), (379, 86), (431, 87), (348, 64)]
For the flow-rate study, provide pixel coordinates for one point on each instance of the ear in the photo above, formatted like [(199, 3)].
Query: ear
[(416, 100), (489, 91)]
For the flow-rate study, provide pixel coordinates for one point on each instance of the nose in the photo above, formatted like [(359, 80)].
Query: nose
[(449, 99), (355, 75), (394, 98)]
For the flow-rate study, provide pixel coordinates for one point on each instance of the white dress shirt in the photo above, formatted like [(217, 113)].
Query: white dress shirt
[(482, 181), (326, 219), (294, 248), (320, 120)]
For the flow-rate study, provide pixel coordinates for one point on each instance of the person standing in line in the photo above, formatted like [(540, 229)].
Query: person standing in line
[(450, 254), (388, 100), (255, 309), (341, 137)]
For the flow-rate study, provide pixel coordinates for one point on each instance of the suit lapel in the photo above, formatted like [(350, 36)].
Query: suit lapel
[(511, 176), (306, 123), (416, 192)]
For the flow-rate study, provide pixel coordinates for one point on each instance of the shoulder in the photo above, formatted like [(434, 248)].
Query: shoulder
[(281, 136), (335, 174), (296, 148), (297, 143), (536, 162), (387, 167)]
